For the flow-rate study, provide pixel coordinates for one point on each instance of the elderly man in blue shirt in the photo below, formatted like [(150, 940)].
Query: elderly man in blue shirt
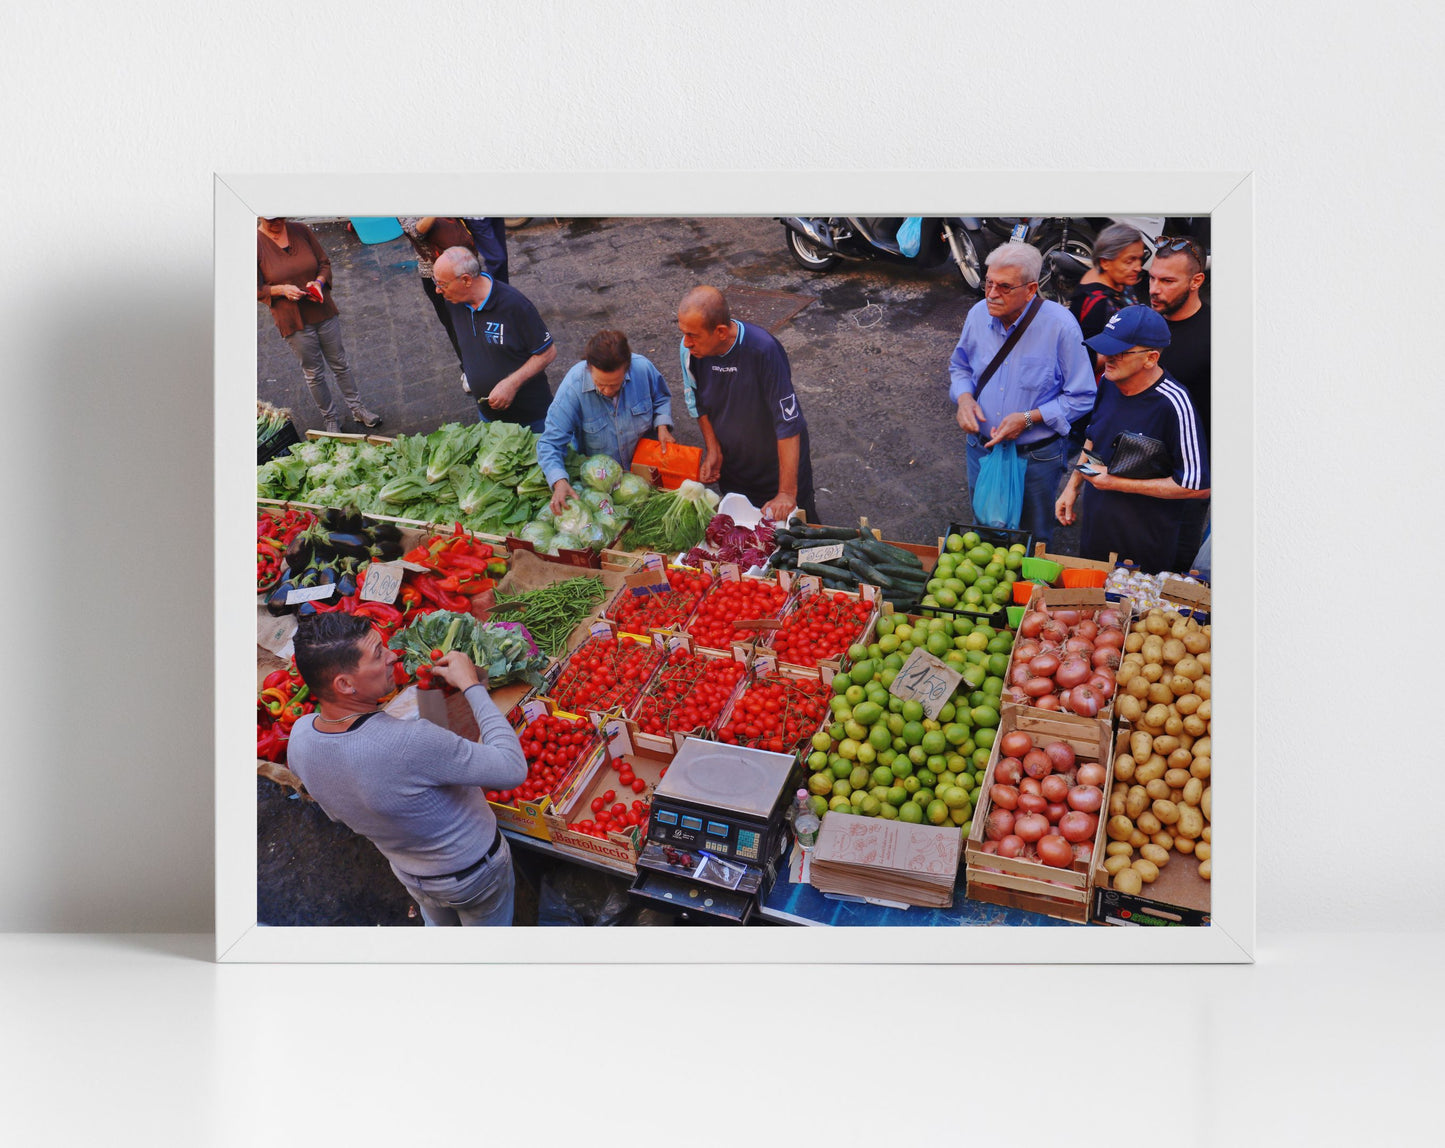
[(605, 404), (1045, 382)]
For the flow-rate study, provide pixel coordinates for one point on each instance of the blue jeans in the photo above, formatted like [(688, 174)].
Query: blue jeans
[(536, 427), (482, 898), (1042, 476)]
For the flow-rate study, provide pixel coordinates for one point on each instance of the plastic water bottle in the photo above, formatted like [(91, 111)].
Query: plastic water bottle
[(805, 821)]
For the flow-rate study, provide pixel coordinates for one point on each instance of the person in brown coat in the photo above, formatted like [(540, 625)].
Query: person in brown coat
[(293, 278)]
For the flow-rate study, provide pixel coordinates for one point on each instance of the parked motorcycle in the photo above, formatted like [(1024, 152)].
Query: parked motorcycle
[(821, 243)]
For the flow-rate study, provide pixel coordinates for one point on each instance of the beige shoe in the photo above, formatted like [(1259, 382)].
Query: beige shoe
[(366, 418)]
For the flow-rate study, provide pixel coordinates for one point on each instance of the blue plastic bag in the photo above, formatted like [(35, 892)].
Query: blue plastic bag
[(999, 499), (910, 235)]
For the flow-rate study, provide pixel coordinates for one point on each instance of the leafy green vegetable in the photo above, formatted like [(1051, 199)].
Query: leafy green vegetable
[(501, 650), (452, 445), (507, 454), (601, 472), (673, 520)]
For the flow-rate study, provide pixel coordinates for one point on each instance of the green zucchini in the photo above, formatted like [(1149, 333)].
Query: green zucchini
[(868, 573), (828, 533), (827, 571), (909, 574)]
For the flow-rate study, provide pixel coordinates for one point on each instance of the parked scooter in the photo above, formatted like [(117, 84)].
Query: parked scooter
[(820, 244)]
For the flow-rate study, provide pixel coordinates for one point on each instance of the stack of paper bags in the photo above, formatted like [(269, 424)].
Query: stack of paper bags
[(894, 860)]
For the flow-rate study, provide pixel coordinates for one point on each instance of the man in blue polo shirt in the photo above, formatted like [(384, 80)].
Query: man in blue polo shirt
[(1138, 518), (505, 346), (606, 403), (755, 439), (1045, 383)]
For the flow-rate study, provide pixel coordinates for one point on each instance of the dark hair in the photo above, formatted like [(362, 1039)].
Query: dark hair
[(326, 645), (607, 350), (710, 306), (1183, 245)]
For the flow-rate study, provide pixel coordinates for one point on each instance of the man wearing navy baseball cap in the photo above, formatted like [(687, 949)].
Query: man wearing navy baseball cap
[(1148, 451)]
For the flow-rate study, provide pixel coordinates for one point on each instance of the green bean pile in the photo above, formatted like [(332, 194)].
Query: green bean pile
[(552, 612)]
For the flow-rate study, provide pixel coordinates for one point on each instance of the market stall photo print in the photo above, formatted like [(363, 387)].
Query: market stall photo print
[(639, 573)]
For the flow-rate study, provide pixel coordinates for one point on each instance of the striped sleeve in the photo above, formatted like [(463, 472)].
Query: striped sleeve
[(1191, 465)]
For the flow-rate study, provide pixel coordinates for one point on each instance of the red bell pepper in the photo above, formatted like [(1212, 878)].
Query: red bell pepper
[(275, 679)]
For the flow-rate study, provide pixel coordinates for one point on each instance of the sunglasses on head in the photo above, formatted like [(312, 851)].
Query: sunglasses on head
[(1173, 243)]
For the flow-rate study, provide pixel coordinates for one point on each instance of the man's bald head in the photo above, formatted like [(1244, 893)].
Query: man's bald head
[(708, 304)]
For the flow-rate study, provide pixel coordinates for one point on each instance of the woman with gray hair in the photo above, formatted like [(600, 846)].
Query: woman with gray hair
[(1105, 288)]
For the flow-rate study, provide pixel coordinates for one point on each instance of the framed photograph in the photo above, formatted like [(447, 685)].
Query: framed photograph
[(619, 250)]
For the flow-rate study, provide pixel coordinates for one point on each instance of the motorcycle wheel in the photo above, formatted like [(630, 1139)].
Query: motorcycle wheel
[(1080, 245), (517, 221), (807, 254)]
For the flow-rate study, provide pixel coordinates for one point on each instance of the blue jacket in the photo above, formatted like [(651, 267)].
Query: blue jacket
[(599, 425)]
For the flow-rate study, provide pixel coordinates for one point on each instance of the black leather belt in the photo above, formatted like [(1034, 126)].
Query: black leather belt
[(1028, 446), (475, 865)]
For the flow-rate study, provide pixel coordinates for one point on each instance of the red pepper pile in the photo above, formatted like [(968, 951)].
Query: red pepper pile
[(604, 673), (689, 692), (824, 626), (274, 531), (726, 602), (464, 568), (283, 698), (777, 712), (639, 613), (552, 745), (612, 816)]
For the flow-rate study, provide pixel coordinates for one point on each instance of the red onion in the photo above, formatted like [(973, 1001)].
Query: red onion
[(999, 825), (1077, 826), (1055, 812), (1072, 672), (1105, 658), (1037, 687), (1018, 675), (1030, 785), (1043, 665), (1032, 803), (1054, 632), (1023, 651), (1056, 851), (1084, 851), (1109, 616), (1047, 702), (1104, 684), (1008, 771), (1088, 628), (1015, 743), (1037, 764), (1032, 623), (1077, 645), (1068, 616), (1110, 637), (1031, 826)]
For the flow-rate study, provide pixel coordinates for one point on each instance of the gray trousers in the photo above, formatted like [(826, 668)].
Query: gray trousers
[(318, 346)]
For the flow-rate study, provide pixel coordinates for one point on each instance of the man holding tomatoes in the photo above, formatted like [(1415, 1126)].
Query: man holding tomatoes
[(413, 788)]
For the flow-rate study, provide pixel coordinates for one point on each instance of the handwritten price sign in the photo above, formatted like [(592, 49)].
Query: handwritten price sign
[(383, 582), (926, 680)]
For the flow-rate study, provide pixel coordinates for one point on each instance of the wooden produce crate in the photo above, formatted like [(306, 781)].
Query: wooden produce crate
[(602, 628), (729, 572), (1072, 562), (653, 571), (808, 586), (1178, 896), (617, 850), (1095, 599), (1031, 885), (665, 747)]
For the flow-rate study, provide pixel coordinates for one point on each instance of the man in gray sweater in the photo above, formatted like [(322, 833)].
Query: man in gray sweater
[(413, 788)]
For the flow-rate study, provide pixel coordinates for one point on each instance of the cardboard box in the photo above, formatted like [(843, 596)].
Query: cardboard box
[(871, 857), (1031, 885), (666, 747), (1179, 896), (617, 850)]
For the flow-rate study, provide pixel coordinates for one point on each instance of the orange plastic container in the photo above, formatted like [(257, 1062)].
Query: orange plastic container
[(679, 463), (1023, 591), (1083, 579)]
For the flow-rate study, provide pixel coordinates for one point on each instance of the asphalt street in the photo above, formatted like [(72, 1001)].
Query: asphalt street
[(869, 353)]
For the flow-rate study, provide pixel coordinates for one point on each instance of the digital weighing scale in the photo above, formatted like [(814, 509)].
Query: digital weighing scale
[(715, 831)]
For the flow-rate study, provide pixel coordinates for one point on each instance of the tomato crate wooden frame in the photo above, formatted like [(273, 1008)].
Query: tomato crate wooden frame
[(617, 850), (806, 586), (616, 601), (1012, 881)]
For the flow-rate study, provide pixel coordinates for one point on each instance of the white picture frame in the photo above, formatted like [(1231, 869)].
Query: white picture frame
[(1225, 196)]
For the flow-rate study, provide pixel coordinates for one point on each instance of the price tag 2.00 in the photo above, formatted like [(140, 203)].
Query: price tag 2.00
[(383, 582), (923, 678)]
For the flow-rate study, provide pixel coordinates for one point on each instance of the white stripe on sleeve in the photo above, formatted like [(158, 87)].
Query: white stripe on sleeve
[(1188, 433)]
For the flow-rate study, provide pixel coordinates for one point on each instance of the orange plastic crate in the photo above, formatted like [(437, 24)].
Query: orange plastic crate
[(679, 463), (1083, 579)]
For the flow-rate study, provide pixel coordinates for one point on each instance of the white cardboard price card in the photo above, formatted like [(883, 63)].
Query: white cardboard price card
[(926, 680), (821, 553), (310, 593), (653, 562), (382, 582)]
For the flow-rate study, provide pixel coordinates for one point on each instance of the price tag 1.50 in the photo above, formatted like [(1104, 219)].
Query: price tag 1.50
[(926, 680)]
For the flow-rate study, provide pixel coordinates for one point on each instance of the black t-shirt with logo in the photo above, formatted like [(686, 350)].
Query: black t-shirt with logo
[(495, 340), (748, 395)]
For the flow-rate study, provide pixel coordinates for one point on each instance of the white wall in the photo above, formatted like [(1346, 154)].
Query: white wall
[(116, 117)]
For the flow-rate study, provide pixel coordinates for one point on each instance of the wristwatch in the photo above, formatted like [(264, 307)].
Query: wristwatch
[(1028, 419)]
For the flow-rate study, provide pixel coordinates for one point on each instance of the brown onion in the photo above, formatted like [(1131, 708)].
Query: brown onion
[(1047, 702), (1029, 785), (1091, 773), (1072, 672), (999, 825), (1068, 616), (1004, 796), (1088, 628), (1054, 632), (1077, 645), (1056, 851), (1008, 771), (1085, 701), (1104, 683), (1110, 637), (1055, 787), (1043, 665), (1109, 616), (1037, 764), (1061, 754), (1086, 798), (1084, 851), (1038, 687), (1023, 651), (990, 847), (1032, 803), (1015, 743), (1105, 658), (1032, 623), (1031, 826), (1077, 826), (1018, 675), (1055, 812)]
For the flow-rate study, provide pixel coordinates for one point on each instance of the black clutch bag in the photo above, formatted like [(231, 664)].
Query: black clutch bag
[(1139, 456)]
